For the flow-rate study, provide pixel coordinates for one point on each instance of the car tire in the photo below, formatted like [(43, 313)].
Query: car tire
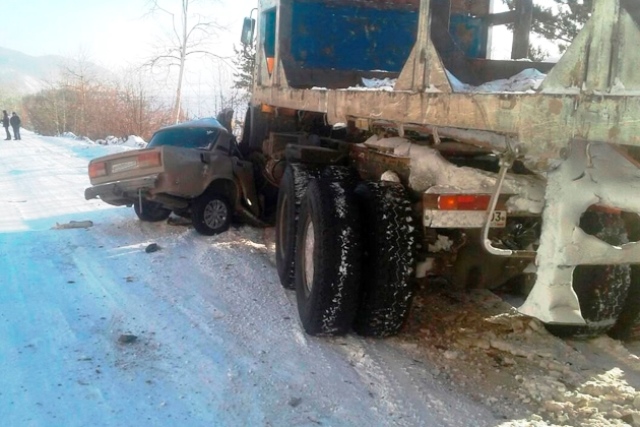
[(601, 289), (389, 255), (149, 211), (292, 189), (211, 214), (328, 259)]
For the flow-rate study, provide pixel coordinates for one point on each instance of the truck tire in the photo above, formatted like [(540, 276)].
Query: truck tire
[(211, 213), (389, 245), (344, 174), (627, 327), (602, 289), (328, 259), (150, 211), (292, 189)]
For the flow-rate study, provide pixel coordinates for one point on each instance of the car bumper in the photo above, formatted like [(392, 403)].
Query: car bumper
[(121, 192)]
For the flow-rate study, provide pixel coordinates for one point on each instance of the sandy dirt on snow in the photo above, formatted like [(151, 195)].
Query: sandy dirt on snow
[(508, 361)]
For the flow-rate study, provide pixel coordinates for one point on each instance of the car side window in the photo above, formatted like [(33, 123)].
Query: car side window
[(201, 138)]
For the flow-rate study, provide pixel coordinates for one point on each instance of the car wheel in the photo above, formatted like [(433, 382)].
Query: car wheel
[(389, 246), (150, 211), (211, 214), (329, 259), (292, 189)]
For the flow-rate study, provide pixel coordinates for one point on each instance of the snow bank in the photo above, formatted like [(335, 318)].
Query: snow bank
[(131, 141), (72, 135)]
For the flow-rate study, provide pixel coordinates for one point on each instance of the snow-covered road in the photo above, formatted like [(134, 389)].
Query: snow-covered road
[(218, 341)]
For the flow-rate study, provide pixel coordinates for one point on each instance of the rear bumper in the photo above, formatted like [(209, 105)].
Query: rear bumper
[(121, 192)]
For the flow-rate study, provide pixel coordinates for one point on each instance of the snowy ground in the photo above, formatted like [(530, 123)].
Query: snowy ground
[(96, 331)]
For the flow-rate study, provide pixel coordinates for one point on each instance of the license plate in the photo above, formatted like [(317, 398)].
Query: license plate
[(499, 219), (124, 166)]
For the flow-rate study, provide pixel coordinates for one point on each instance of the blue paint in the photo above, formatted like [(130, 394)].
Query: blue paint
[(470, 33), (268, 32), (351, 38)]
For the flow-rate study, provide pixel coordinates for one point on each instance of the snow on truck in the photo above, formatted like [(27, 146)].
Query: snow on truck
[(386, 148), (389, 166)]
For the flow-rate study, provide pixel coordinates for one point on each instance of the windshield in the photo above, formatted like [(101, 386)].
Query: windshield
[(185, 137)]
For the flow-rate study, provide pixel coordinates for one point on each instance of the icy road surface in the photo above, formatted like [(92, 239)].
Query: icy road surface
[(95, 331)]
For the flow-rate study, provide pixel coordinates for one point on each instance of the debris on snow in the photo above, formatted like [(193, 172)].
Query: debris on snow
[(127, 339), (295, 401), (178, 221), (73, 224), (153, 247)]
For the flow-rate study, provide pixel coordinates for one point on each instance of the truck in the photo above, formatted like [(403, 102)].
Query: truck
[(388, 150), (400, 153)]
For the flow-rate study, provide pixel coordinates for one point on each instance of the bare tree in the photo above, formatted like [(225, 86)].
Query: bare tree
[(139, 112), (79, 75), (95, 108), (190, 34), (558, 21)]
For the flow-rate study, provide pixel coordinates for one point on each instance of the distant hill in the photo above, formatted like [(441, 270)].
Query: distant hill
[(23, 74)]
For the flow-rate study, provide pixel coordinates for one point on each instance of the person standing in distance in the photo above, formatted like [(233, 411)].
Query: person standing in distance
[(15, 124), (5, 123)]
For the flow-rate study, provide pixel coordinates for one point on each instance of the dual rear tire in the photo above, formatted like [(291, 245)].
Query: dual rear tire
[(293, 187), (351, 248)]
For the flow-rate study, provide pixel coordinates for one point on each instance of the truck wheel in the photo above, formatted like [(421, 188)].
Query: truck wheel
[(628, 325), (150, 211), (601, 289), (345, 174), (211, 214), (389, 246), (328, 259), (292, 189)]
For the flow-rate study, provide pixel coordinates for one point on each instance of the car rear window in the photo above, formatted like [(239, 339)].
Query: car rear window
[(185, 137)]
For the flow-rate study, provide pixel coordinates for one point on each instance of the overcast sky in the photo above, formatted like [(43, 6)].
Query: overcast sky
[(109, 30)]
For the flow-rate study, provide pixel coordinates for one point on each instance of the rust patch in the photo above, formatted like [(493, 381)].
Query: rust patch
[(555, 106)]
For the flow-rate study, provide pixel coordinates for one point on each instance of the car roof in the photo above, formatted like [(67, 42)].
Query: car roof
[(208, 122)]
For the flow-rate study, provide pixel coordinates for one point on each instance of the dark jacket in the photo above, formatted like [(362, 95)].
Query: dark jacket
[(5, 120), (15, 121)]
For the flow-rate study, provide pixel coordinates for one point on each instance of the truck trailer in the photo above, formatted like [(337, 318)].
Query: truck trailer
[(398, 152)]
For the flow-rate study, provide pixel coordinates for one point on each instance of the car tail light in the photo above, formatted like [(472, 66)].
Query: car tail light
[(97, 169), (463, 202), (147, 160)]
